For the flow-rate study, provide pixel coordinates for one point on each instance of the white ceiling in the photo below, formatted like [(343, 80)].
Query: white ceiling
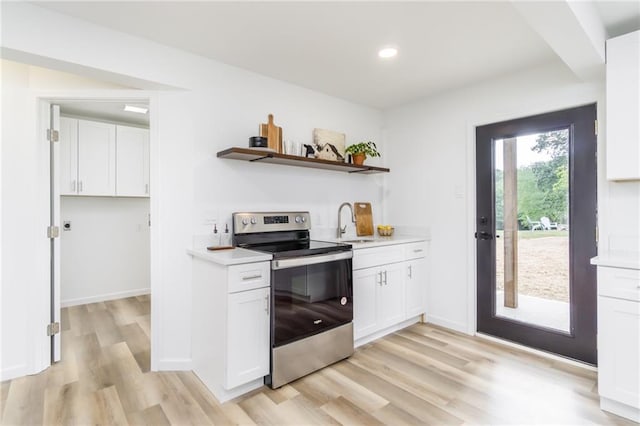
[(332, 47)]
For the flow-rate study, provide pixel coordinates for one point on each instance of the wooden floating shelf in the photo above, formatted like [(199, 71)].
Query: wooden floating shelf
[(251, 155)]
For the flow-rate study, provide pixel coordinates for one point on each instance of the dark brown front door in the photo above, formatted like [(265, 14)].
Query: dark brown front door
[(536, 231)]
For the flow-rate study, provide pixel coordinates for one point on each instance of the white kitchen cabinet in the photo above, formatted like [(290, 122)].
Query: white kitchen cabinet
[(230, 339), (415, 287), (389, 288), (623, 110), (365, 299), (619, 341), (248, 336), (96, 158), (378, 298), (102, 159), (391, 305), (68, 164), (132, 161)]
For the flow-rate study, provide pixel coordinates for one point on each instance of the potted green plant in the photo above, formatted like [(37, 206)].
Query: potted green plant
[(359, 151)]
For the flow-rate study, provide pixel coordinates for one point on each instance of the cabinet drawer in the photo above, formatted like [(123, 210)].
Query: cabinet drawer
[(249, 276), (415, 250), (619, 283), (366, 258)]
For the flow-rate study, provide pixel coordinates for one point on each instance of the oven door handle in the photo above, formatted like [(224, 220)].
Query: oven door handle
[(309, 260)]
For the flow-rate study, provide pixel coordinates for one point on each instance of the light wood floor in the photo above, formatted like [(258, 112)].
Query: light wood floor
[(421, 375)]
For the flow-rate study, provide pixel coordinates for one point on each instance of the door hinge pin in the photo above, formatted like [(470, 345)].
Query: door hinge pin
[(53, 135), (53, 232), (53, 328), (596, 127)]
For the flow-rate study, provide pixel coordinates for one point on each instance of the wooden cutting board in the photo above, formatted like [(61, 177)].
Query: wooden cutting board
[(364, 219), (273, 134)]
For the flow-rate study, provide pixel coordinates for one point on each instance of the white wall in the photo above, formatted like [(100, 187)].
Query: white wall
[(105, 255), (25, 214), (431, 150), (220, 107)]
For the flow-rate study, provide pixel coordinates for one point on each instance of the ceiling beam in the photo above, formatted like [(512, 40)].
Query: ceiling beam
[(574, 30)]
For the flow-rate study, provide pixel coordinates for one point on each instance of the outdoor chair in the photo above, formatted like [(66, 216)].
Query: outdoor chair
[(534, 224), (547, 224)]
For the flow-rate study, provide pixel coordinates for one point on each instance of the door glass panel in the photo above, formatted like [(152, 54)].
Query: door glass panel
[(532, 229)]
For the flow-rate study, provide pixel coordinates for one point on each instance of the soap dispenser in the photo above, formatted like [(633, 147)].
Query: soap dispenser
[(225, 239), (215, 239)]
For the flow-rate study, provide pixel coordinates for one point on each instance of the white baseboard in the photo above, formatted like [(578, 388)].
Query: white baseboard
[(443, 322), (13, 372), (378, 334), (620, 409), (180, 364), (104, 297)]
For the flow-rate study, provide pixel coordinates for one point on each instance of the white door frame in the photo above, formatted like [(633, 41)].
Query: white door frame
[(39, 343)]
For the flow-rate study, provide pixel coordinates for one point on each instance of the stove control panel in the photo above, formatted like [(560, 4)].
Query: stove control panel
[(245, 223)]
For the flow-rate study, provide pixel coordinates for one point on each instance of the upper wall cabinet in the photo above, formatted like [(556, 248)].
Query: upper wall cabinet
[(102, 159), (623, 111), (132, 161)]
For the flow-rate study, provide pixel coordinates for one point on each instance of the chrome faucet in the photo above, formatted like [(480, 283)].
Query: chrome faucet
[(341, 229)]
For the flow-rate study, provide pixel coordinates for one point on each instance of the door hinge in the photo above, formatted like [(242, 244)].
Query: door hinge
[(595, 124), (597, 235), (53, 328), (53, 232), (53, 135)]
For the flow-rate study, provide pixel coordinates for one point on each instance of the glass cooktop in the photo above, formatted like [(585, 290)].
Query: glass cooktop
[(298, 248)]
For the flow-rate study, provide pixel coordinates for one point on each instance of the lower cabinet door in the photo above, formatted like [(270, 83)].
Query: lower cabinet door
[(415, 287), (391, 295), (619, 350), (248, 336), (365, 285)]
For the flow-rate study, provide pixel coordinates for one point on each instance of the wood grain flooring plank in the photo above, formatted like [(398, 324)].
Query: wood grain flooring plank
[(262, 410), (392, 415), (301, 411), (438, 354), (281, 394), (237, 415), (152, 416), (180, 407), (109, 408), (204, 399), (359, 395), (4, 393), (347, 413), (417, 407), (316, 388)]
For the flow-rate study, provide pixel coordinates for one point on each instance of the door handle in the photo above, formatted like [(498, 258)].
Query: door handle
[(385, 277), (410, 272), (266, 298), (482, 235)]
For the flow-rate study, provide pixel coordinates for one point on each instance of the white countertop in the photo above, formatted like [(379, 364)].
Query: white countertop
[(234, 256), (617, 260), (374, 241)]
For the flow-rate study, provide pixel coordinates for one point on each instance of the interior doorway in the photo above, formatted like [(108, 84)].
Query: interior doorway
[(536, 231), (100, 204)]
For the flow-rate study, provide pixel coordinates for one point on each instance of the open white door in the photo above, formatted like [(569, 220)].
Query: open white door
[(54, 328)]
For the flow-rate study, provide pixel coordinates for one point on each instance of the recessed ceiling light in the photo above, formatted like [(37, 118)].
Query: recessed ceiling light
[(139, 110), (388, 52)]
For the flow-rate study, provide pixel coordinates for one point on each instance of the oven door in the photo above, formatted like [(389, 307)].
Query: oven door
[(310, 294)]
